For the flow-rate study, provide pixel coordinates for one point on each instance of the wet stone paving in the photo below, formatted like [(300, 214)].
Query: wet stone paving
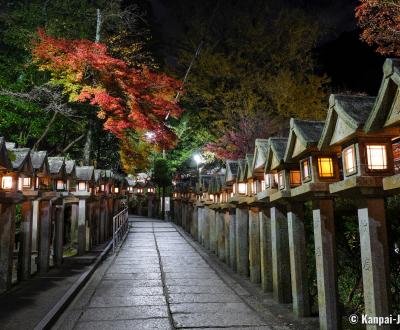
[(158, 280)]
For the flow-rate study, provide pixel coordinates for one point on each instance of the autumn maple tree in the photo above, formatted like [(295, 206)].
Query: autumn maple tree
[(129, 100), (380, 21)]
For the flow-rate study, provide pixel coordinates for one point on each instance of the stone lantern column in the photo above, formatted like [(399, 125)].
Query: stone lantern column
[(265, 249), (7, 237), (220, 229), (254, 245), (45, 218), (242, 241), (25, 250), (59, 234)]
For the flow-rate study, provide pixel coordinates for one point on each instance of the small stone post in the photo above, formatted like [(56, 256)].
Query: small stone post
[(45, 213), (150, 206), (35, 225), (254, 246), (25, 250), (7, 237), (298, 259), (282, 291), (220, 223), (242, 241), (206, 227), (375, 259), (325, 258), (265, 250), (82, 227), (59, 235), (227, 221), (212, 231), (74, 225), (232, 239)]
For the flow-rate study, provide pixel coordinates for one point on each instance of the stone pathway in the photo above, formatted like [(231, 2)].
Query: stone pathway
[(159, 280)]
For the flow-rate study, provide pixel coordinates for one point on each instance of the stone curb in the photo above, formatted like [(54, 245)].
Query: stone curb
[(50, 318)]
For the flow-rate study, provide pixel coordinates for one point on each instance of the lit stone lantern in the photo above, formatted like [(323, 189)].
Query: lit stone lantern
[(232, 168), (58, 174), (248, 173), (84, 180), (258, 166), (70, 165), (240, 186), (366, 159), (151, 199)]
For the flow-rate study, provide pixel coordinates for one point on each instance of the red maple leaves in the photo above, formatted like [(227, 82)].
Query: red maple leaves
[(127, 98)]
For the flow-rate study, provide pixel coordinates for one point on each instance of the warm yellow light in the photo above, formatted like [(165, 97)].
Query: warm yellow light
[(254, 187), (349, 156), (376, 157), (116, 190), (263, 185), (295, 178), (325, 167), (212, 197), (82, 186), (242, 188), (60, 185), (267, 179), (102, 187), (305, 165), (7, 182), (26, 182), (234, 188), (281, 180)]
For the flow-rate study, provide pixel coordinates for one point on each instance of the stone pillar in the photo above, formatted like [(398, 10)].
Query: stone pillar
[(82, 227), (206, 228), (35, 225), (282, 291), (45, 213), (265, 250), (184, 215), (59, 235), (213, 231), (102, 220), (193, 227), (298, 260), (254, 246), (227, 221), (374, 257), (232, 239), (325, 258), (150, 206), (7, 238), (74, 225), (98, 222), (220, 224), (242, 241), (200, 214), (25, 249)]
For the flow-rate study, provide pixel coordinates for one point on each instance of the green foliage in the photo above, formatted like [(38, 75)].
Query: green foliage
[(162, 173)]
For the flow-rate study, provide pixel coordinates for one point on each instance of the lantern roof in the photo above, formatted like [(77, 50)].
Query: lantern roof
[(347, 114), (241, 170), (386, 110), (260, 155), (248, 169), (130, 181), (109, 174), (84, 173), (21, 160), (39, 161), (70, 167), (276, 153), (304, 135), (5, 162), (56, 165), (232, 167)]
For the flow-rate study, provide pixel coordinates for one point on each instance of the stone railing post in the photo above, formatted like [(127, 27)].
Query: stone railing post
[(206, 228), (242, 241), (282, 291), (232, 238), (74, 224), (298, 259), (325, 258), (374, 257), (45, 214), (212, 230), (220, 229), (226, 220), (25, 249), (58, 246), (265, 249), (7, 238), (254, 245), (82, 215)]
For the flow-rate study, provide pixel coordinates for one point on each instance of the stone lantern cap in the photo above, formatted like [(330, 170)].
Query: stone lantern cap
[(70, 168), (84, 173), (40, 162), (248, 169), (130, 182), (275, 154), (57, 166), (260, 156), (21, 160), (303, 137), (240, 177), (5, 163), (347, 115), (386, 110), (232, 167)]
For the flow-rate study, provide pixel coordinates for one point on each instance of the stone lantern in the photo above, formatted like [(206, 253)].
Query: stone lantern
[(70, 165), (318, 169), (259, 159), (248, 173), (58, 174), (366, 159)]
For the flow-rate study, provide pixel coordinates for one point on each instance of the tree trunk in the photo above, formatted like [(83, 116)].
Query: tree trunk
[(45, 131)]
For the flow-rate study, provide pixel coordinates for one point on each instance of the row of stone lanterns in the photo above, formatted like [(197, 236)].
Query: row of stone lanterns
[(254, 218), (44, 187)]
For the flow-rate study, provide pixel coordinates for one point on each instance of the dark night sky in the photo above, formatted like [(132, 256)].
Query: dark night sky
[(351, 64)]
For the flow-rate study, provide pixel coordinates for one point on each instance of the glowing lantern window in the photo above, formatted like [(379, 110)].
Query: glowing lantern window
[(212, 197), (60, 185), (281, 180), (306, 169), (20, 184), (102, 187), (234, 188), (26, 182), (325, 167), (37, 183), (349, 156), (82, 186), (295, 178), (232, 194), (255, 187), (116, 190), (376, 157), (267, 179), (242, 188), (262, 185), (7, 182)]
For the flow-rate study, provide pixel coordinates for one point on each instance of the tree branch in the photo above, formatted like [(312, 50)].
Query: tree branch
[(45, 131), (72, 143)]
